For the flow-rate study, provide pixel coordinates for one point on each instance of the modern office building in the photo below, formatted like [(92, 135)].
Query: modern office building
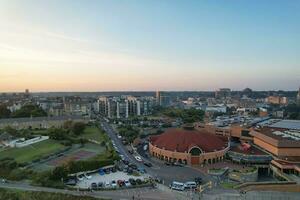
[(163, 99)]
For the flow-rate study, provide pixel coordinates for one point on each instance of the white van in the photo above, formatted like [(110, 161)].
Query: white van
[(190, 185), (177, 186)]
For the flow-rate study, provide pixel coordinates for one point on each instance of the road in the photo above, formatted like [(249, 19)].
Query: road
[(159, 170), (125, 194)]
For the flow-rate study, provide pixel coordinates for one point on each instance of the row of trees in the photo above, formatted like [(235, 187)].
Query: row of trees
[(25, 111), (187, 115), (129, 132)]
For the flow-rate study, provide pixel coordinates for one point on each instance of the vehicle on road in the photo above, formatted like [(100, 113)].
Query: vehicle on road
[(198, 180), (100, 184), (138, 158), (177, 186), (190, 185), (148, 164), (119, 136)]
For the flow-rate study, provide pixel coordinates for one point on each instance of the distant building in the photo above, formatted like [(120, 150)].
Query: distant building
[(125, 106), (38, 122), (277, 100), (298, 97), (163, 99), (223, 93)]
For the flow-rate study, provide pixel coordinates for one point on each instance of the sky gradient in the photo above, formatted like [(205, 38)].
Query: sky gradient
[(71, 45)]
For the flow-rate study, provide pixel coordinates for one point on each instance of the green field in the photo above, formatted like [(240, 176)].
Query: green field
[(94, 133), (32, 152)]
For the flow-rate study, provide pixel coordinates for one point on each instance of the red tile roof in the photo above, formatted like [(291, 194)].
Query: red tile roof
[(182, 140)]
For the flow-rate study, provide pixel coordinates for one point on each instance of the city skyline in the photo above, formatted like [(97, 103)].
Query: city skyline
[(149, 45)]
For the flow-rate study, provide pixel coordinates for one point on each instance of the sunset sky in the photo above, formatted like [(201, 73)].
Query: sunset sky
[(72, 45)]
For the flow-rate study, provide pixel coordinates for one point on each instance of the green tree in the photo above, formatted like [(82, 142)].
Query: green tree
[(4, 112), (78, 128)]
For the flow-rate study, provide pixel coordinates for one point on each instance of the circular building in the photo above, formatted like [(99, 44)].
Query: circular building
[(188, 146)]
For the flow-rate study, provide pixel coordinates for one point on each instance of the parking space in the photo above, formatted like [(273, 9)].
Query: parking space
[(106, 180)]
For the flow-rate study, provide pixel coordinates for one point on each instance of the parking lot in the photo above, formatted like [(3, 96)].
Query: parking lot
[(106, 179)]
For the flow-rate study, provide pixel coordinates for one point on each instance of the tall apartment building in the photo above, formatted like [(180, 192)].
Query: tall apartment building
[(125, 106)]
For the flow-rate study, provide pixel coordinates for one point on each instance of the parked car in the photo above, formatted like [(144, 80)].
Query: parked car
[(94, 185), (80, 177), (127, 183), (114, 183), (139, 181), (107, 184), (126, 162), (113, 170), (87, 176), (101, 172), (148, 164), (100, 184), (168, 163), (142, 170), (133, 166), (132, 181), (139, 159)]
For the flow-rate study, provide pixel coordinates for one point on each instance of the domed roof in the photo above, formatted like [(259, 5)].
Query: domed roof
[(182, 140)]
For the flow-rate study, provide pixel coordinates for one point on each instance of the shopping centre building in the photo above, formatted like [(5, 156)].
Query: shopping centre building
[(189, 146)]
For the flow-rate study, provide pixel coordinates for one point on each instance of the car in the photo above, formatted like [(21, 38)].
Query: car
[(101, 172), (139, 181), (168, 163), (198, 180), (113, 170), (177, 186), (107, 171), (148, 164), (142, 170), (132, 181), (94, 185), (80, 177), (126, 162), (119, 136), (177, 164), (107, 184), (3, 180), (129, 171), (121, 183), (100, 184), (114, 183), (130, 151), (87, 176), (138, 158), (122, 156), (127, 183), (190, 185), (133, 166)]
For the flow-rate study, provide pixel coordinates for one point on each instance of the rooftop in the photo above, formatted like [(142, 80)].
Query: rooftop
[(181, 140)]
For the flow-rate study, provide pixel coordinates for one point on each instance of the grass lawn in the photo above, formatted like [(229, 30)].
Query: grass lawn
[(32, 152), (94, 133)]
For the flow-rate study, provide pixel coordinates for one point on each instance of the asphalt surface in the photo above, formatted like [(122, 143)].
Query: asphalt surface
[(124, 194), (166, 173)]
